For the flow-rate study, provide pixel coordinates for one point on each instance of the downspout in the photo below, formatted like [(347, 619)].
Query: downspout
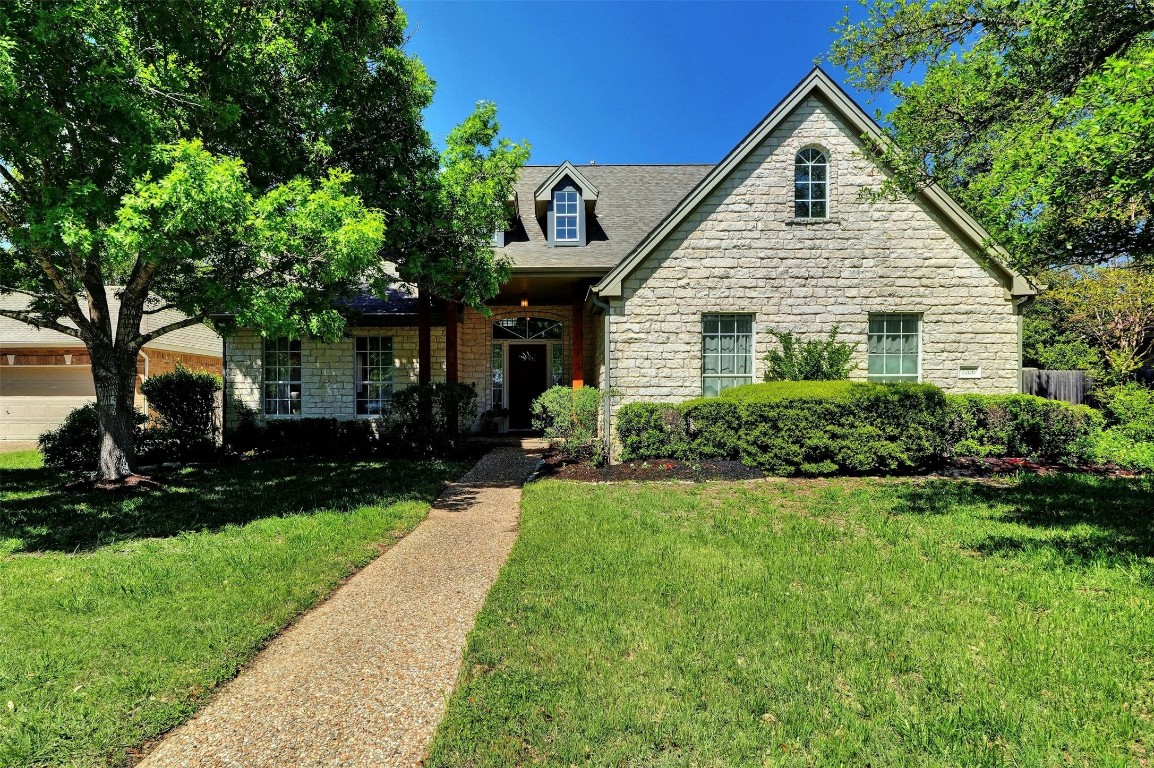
[(143, 379), (608, 377)]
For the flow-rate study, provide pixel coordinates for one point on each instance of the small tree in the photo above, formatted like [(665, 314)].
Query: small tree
[(812, 360), (186, 403), (1113, 309)]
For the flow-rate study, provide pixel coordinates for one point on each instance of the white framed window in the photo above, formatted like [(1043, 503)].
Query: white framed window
[(726, 352), (282, 377), (565, 217), (374, 374), (810, 185), (895, 347)]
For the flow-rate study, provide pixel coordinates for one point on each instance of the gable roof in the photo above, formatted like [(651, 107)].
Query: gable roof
[(544, 191), (195, 339), (817, 83), (632, 199)]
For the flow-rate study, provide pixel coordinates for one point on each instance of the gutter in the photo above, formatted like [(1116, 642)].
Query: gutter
[(608, 386)]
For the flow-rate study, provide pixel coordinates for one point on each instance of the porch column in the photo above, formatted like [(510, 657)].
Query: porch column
[(424, 339), (578, 334), (451, 342)]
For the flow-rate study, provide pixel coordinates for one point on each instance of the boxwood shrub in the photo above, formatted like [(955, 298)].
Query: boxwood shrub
[(838, 427)]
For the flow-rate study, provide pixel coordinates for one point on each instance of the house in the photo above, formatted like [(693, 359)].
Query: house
[(45, 374), (664, 282)]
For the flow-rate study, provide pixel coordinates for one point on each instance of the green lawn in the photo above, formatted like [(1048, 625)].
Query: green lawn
[(817, 623), (118, 614)]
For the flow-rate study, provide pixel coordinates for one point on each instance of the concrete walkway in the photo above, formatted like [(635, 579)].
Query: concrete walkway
[(363, 679)]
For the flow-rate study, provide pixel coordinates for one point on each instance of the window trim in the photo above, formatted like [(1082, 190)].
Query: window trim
[(752, 375), (357, 372), (264, 380), (566, 186), (884, 378), (558, 217), (798, 162)]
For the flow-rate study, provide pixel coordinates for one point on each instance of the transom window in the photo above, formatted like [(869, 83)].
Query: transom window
[(810, 185), (374, 374), (726, 352), (527, 328), (282, 377), (565, 216), (895, 347)]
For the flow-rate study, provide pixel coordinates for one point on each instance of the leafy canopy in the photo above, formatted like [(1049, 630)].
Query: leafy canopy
[(1037, 115)]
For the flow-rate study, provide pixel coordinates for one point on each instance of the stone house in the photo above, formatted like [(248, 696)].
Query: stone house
[(663, 282)]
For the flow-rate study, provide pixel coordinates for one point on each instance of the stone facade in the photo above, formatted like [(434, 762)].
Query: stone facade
[(742, 251), (328, 378)]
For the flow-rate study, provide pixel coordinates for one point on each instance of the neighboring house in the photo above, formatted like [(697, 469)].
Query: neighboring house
[(45, 374), (664, 282)]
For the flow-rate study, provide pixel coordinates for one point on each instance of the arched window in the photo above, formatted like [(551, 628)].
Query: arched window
[(810, 185)]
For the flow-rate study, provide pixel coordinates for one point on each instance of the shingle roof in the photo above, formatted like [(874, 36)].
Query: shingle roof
[(632, 200), (196, 339)]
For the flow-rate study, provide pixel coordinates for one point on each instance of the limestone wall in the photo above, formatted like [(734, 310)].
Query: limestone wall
[(742, 251)]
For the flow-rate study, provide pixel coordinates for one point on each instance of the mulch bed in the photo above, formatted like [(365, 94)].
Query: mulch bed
[(130, 483), (723, 469)]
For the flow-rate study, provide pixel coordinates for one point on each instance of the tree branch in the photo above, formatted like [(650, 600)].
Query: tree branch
[(12, 182), (174, 326), (39, 321), (158, 310)]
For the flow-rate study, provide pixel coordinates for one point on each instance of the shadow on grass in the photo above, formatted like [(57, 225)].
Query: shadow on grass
[(1080, 518), (36, 514)]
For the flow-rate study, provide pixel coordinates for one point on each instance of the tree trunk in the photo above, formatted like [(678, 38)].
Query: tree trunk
[(114, 374)]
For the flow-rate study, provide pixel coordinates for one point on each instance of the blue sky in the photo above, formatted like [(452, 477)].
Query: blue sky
[(620, 82)]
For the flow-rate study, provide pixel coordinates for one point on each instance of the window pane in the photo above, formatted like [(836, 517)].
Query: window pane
[(909, 364), (817, 209)]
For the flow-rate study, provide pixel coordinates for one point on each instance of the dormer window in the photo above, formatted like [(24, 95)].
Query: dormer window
[(566, 216)]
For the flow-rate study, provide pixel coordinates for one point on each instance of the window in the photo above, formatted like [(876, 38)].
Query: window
[(726, 352), (810, 185), (557, 364), (530, 328), (498, 375), (894, 348), (374, 374), (565, 228), (282, 377)]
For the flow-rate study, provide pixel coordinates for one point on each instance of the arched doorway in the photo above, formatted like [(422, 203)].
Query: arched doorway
[(527, 360)]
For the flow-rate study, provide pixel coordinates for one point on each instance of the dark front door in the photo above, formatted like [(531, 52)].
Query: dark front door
[(527, 379)]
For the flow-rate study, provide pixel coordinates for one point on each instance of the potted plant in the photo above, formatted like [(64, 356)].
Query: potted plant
[(495, 421)]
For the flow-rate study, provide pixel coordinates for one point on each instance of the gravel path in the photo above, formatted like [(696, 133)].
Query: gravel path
[(362, 680)]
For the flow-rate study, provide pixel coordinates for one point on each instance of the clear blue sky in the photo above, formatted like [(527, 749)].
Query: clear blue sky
[(620, 82)]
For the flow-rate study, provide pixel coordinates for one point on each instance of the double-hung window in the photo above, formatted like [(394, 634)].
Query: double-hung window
[(895, 347), (374, 374), (282, 377), (726, 352), (565, 225)]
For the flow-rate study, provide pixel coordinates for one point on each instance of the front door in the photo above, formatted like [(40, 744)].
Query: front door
[(528, 374)]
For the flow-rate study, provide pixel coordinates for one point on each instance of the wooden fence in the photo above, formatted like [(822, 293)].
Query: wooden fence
[(1070, 386)]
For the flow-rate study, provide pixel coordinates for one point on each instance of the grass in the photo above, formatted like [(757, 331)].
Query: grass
[(119, 613), (817, 623)]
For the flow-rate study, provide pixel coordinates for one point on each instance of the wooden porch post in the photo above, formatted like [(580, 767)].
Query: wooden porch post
[(578, 333), (424, 339), (451, 342)]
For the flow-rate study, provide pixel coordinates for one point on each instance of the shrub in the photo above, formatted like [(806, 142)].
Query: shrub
[(568, 419), (651, 431), (75, 444), (1021, 426), (811, 360), (186, 404), (1115, 447), (432, 419), (1130, 409), (317, 437)]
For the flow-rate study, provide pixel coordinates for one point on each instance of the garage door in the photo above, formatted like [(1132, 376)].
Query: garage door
[(36, 399)]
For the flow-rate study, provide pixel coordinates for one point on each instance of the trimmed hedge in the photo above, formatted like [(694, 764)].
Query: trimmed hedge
[(822, 428)]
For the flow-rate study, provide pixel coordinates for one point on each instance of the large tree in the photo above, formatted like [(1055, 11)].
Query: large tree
[(255, 158), (1038, 115)]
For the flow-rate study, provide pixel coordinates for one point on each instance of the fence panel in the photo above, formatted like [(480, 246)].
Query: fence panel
[(1070, 386)]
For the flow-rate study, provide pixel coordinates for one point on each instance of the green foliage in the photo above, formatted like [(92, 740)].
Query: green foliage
[(1037, 115), (786, 428), (186, 403), (812, 360), (314, 437), (1114, 446), (432, 419), (1021, 426), (823, 428), (75, 444), (568, 419), (1129, 440)]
